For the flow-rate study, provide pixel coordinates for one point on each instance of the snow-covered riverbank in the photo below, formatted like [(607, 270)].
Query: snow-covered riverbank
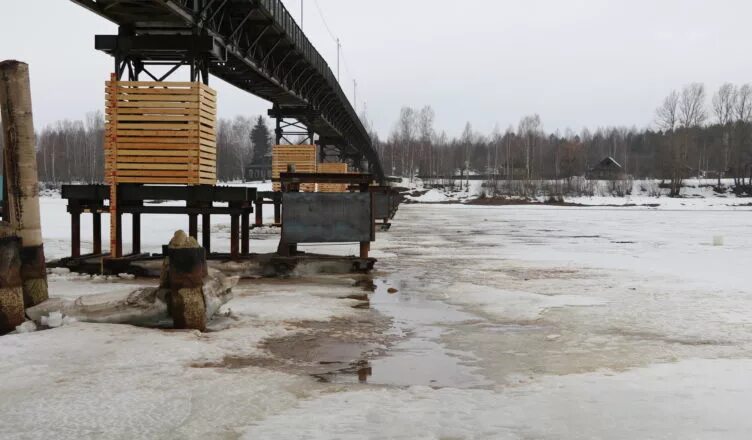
[(696, 193), (484, 322)]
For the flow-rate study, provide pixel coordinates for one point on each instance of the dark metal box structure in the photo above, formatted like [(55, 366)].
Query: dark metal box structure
[(327, 218)]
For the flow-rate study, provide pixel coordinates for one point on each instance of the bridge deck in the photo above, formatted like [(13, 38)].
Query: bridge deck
[(262, 51)]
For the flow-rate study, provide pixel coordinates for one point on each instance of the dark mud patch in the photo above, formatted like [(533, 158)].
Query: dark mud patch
[(337, 342), (323, 350), (672, 340), (365, 284), (238, 362), (503, 201), (542, 274)]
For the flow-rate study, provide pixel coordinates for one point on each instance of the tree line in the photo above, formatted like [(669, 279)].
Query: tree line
[(691, 136), (73, 150)]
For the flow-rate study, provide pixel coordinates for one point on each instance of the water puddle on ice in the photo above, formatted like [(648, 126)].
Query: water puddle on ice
[(419, 358)]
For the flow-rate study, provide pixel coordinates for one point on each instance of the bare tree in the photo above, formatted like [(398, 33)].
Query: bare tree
[(529, 129), (743, 103), (667, 115), (742, 151), (724, 109), (724, 103), (692, 112), (467, 141), (667, 118), (426, 134), (406, 136)]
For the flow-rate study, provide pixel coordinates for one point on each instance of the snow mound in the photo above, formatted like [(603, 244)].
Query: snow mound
[(432, 196)]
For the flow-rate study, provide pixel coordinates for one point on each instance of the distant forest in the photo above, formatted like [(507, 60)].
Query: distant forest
[(693, 135), (73, 150)]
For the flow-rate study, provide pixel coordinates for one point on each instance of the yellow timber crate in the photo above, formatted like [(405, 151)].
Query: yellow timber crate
[(302, 156), (332, 168), (160, 132)]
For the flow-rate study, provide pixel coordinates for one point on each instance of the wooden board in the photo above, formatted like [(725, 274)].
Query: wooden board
[(302, 156), (334, 168), (160, 132)]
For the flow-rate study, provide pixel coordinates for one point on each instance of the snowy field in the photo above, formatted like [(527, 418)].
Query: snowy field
[(695, 193), (516, 322)]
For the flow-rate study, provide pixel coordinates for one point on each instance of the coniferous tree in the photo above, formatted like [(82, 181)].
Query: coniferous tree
[(262, 140)]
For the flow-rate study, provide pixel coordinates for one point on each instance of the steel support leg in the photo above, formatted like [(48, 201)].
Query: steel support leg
[(193, 225), (96, 231), (245, 233), (234, 235), (259, 213), (206, 233), (136, 233), (75, 233)]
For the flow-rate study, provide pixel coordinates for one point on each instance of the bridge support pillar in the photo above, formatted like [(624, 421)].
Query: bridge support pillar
[(290, 130)]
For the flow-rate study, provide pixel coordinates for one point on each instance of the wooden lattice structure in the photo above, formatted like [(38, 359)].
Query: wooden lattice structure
[(161, 132), (158, 133), (302, 156), (332, 168)]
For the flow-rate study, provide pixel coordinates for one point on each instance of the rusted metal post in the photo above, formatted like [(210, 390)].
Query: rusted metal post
[(193, 225), (11, 285), (277, 212), (117, 252), (206, 232), (21, 174), (259, 213), (111, 144), (245, 232), (234, 235), (136, 233), (187, 269), (75, 212), (5, 196), (96, 226), (365, 246)]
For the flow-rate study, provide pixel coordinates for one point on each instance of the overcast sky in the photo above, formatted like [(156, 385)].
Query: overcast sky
[(578, 63)]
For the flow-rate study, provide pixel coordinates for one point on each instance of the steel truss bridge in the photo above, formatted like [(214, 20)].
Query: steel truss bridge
[(254, 45)]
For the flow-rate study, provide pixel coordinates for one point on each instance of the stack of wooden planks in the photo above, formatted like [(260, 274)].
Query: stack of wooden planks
[(160, 133), (302, 156), (332, 168)]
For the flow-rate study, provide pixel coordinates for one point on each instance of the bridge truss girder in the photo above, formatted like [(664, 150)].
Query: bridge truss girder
[(263, 51)]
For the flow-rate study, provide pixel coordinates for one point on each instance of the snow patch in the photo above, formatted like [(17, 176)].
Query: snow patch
[(690, 399), (432, 196), (511, 305)]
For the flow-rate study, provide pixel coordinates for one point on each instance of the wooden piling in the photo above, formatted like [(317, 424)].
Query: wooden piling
[(187, 269), (11, 285), (21, 175)]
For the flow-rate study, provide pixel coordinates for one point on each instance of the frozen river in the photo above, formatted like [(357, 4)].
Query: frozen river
[(484, 323)]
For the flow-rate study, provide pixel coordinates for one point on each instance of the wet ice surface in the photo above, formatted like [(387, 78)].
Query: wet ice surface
[(500, 322)]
